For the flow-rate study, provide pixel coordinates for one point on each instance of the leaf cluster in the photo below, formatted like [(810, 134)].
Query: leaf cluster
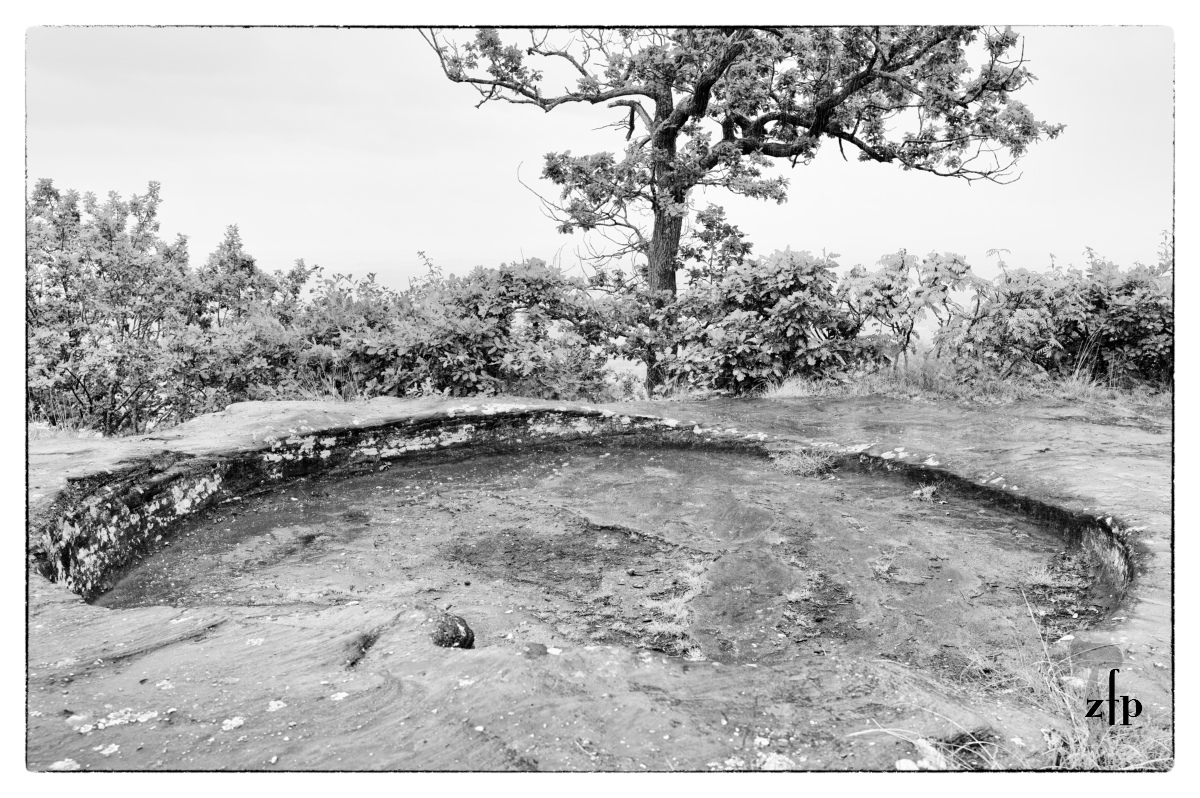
[(718, 107), (744, 322), (124, 335), (1099, 323)]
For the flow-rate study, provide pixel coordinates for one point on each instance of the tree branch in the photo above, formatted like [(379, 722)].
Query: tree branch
[(637, 107), (696, 105), (537, 49), (525, 93)]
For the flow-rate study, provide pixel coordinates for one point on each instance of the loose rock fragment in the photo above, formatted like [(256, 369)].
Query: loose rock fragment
[(452, 631)]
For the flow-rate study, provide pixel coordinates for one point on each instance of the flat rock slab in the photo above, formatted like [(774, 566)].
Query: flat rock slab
[(328, 680)]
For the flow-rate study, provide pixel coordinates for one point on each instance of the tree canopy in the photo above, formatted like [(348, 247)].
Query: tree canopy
[(716, 107)]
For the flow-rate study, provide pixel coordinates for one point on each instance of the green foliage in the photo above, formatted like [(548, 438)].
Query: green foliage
[(740, 324), (717, 107), (1131, 321), (1104, 324), (714, 247), (123, 335), (763, 320), (101, 290), (901, 293), (510, 329)]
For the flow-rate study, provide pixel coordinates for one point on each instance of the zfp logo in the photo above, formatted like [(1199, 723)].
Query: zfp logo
[(1130, 707)]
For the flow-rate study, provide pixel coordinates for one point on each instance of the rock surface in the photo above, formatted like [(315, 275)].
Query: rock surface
[(451, 631), (325, 675)]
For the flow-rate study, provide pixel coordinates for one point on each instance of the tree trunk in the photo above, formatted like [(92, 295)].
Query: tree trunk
[(654, 375), (664, 239), (664, 246)]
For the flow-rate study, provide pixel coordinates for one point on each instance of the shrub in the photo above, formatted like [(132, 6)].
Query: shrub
[(102, 294), (1101, 324), (123, 335), (887, 304), (742, 326), (515, 328)]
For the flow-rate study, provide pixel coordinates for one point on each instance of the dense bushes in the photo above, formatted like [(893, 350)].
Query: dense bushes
[(123, 334), (744, 322), (760, 322), (1102, 324), (511, 329), (739, 324)]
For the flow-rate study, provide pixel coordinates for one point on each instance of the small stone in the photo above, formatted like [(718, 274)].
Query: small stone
[(775, 761), (452, 631)]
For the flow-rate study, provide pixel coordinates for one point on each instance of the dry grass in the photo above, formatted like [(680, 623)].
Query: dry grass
[(671, 616), (881, 566), (672, 611), (1041, 674), (311, 386), (669, 628), (805, 387), (929, 378), (921, 381), (979, 666), (1077, 388), (1142, 747), (807, 463), (965, 751), (1080, 743), (1061, 572), (43, 431), (1040, 576), (1033, 671), (925, 493)]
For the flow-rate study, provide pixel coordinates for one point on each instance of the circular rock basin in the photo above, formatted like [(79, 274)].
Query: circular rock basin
[(705, 608)]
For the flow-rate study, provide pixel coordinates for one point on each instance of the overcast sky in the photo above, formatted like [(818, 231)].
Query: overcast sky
[(350, 149)]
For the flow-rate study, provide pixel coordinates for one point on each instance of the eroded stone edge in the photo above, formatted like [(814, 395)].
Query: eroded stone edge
[(101, 522)]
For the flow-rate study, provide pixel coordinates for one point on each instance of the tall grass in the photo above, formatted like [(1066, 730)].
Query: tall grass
[(1079, 742), (1032, 671), (337, 385), (929, 378), (43, 431)]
